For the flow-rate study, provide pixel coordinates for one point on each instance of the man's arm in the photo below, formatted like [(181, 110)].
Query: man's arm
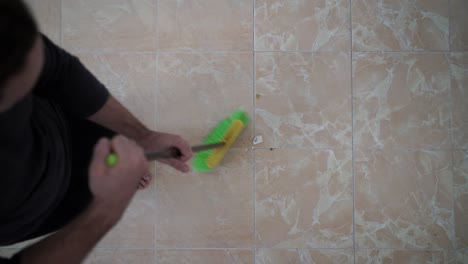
[(116, 117), (67, 81), (72, 243), (112, 189)]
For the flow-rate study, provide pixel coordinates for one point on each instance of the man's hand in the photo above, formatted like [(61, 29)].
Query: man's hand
[(114, 187), (117, 118), (157, 141)]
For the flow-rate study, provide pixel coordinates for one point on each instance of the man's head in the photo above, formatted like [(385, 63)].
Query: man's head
[(20, 51)]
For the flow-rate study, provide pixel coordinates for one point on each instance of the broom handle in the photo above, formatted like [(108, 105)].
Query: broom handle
[(174, 152)]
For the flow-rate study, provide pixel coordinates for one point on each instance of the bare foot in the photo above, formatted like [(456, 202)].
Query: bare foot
[(144, 182)]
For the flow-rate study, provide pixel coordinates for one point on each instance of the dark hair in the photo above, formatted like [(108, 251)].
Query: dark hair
[(18, 31)]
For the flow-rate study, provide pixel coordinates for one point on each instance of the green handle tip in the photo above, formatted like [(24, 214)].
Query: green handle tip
[(112, 160)]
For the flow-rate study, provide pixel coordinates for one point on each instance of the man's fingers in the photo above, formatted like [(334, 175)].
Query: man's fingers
[(101, 150), (145, 181), (184, 149), (127, 148), (148, 175), (121, 145)]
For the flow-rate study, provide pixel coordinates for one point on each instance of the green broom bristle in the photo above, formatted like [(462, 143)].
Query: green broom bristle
[(216, 135)]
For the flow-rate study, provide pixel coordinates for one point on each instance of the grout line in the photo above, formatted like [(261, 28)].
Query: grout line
[(301, 51), (305, 148), (408, 249), (123, 248), (205, 51), (388, 149), (246, 52), (250, 52), (99, 52), (249, 248), (254, 203), (201, 248), (449, 27), (351, 26), (402, 52), (455, 245), (156, 29), (452, 101), (302, 248), (359, 51), (352, 130), (403, 149), (271, 248), (254, 23), (254, 89), (452, 109)]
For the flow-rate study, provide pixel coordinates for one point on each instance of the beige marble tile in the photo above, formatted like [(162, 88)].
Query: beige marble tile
[(196, 91), (48, 16), (136, 228), (405, 25), (205, 256), (403, 199), (304, 199), (390, 256), (461, 256), (401, 100), (458, 22), (304, 256), (459, 86), (109, 25), (121, 256), (205, 25), (303, 99), (131, 78), (460, 182), (213, 209), (302, 25)]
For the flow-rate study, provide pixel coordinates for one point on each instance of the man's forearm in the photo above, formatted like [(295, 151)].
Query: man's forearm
[(72, 243), (116, 117)]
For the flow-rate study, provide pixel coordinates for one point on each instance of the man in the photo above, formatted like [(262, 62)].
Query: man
[(57, 126)]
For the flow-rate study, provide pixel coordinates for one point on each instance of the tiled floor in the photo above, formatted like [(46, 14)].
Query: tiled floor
[(362, 105)]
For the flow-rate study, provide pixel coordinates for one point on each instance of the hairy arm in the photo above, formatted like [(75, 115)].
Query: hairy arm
[(112, 188), (116, 117), (72, 243)]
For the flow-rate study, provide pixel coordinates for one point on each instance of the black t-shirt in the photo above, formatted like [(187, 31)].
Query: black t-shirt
[(34, 142)]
